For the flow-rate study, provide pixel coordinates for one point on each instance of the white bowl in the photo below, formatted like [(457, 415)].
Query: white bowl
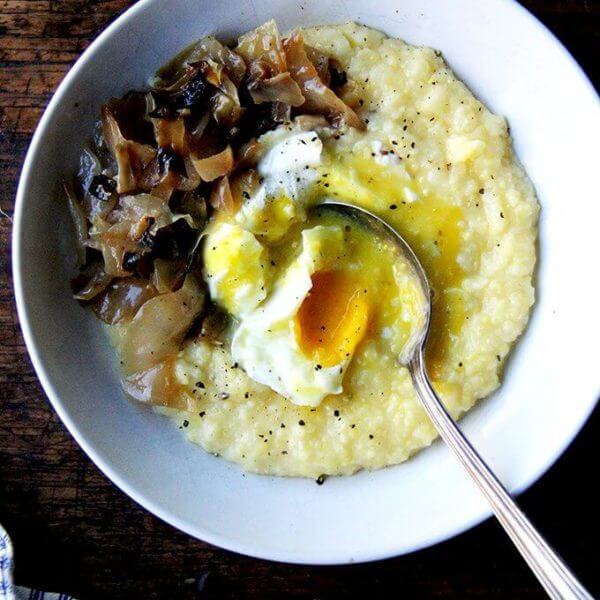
[(518, 69)]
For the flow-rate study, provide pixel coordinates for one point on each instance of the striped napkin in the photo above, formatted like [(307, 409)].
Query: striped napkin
[(10, 591)]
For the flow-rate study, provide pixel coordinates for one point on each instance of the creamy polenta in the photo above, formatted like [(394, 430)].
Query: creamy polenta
[(439, 167), (272, 329)]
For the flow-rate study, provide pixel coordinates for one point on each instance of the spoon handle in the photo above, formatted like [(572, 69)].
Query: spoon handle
[(554, 575)]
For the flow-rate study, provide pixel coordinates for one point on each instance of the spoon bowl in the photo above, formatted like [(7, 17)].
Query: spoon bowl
[(552, 572)]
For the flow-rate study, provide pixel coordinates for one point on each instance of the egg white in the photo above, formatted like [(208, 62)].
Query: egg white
[(236, 268), (265, 342), (287, 171)]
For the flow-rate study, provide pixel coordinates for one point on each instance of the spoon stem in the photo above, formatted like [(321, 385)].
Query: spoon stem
[(556, 578)]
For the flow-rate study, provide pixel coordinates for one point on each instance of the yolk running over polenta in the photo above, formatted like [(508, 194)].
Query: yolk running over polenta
[(430, 225), (333, 318)]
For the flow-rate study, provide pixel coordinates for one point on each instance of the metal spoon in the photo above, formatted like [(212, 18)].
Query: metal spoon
[(554, 575)]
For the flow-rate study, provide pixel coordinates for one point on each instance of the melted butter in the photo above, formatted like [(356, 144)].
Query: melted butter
[(429, 224)]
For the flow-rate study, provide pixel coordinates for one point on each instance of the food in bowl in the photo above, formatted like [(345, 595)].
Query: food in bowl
[(273, 333)]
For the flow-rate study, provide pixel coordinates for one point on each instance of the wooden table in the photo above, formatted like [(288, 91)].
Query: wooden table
[(74, 531)]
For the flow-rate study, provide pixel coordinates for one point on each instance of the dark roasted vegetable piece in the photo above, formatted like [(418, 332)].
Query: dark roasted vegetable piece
[(174, 241), (121, 299), (260, 118), (169, 172), (193, 95), (165, 162), (132, 157), (132, 229), (193, 203), (102, 187), (338, 76), (319, 98), (98, 190), (224, 101), (159, 326), (90, 282), (130, 115), (169, 160)]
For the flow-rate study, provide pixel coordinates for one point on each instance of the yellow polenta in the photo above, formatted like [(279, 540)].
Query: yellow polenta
[(439, 167)]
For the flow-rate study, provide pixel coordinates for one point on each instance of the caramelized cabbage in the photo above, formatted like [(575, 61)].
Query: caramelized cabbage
[(319, 98), (215, 166), (269, 79), (225, 101), (121, 300), (132, 224), (79, 222), (221, 198), (158, 328), (131, 157)]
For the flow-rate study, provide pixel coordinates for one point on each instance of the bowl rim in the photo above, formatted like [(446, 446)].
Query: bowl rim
[(37, 359)]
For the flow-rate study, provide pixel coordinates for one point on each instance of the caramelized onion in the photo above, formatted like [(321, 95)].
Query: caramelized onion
[(131, 157), (225, 102), (79, 221), (268, 79), (249, 154), (121, 300), (319, 98), (221, 198), (243, 186), (215, 166), (171, 134), (209, 47), (279, 88), (157, 386), (90, 282), (137, 218), (166, 275), (158, 328), (310, 122), (264, 44), (320, 62), (213, 326), (193, 203)]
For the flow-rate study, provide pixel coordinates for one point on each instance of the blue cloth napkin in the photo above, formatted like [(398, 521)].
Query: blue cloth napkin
[(8, 590)]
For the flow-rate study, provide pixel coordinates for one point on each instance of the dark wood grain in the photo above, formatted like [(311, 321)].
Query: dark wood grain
[(75, 532)]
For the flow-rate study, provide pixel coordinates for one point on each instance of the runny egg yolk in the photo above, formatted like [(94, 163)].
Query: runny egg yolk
[(430, 225), (332, 319)]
